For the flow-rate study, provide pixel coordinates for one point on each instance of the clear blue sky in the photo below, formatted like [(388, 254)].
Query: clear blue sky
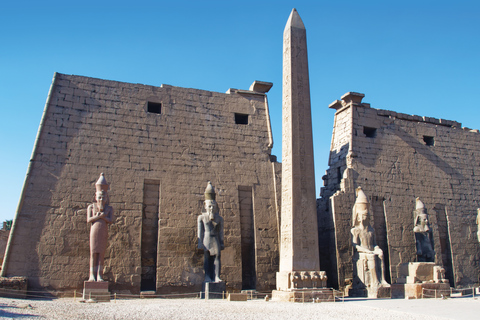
[(415, 57)]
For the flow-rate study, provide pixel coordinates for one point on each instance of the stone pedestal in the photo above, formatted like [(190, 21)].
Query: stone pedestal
[(426, 290), (289, 280), (422, 280), (382, 291), (96, 290), (213, 290), (420, 272), (237, 297), (304, 295)]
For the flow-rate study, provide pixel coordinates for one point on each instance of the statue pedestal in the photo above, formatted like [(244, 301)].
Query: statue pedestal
[(304, 295), (382, 291), (302, 286), (97, 290), (421, 280), (213, 290)]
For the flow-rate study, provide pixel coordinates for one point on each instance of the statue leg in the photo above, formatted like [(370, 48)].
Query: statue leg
[(218, 265), (382, 270), (101, 256), (373, 270), (93, 258), (207, 266)]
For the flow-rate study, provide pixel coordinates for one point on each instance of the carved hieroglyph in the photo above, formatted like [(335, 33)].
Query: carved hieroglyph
[(299, 235)]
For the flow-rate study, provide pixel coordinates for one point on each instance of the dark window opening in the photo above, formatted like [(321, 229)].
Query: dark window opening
[(154, 107), (241, 118), (429, 141), (369, 132)]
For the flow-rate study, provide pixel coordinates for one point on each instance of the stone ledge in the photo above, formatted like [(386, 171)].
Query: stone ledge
[(13, 287)]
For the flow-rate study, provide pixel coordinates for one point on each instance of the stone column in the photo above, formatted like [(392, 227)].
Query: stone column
[(299, 258)]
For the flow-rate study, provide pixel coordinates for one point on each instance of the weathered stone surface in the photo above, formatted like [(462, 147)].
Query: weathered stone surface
[(13, 287), (299, 238), (299, 255), (157, 164), (3, 242), (395, 158), (96, 290), (237, 297)]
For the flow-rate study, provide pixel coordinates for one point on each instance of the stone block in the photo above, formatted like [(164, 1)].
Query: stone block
[(213, 290), (13, 287), (303, 295), (237, 297), (96, 290)]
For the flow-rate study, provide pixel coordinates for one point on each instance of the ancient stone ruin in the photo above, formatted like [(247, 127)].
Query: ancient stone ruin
[(396, 158), (158, 146)]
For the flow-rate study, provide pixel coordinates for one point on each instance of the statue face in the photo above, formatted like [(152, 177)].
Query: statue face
[(362, 212), (101, 200), (210, 207), (423, 221)]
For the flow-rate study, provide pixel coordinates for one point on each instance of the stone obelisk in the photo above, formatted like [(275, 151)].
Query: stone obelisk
[(299, 258)]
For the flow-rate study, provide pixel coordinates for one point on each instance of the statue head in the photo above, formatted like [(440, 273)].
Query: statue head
[(361, 208), (101, 194), (210, 204), (101, 200), (421, 217)]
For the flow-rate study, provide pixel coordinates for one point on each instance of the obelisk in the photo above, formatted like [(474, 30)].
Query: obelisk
[(299, 258)]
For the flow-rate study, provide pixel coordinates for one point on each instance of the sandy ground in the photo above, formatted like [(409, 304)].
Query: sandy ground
[(67, 308)]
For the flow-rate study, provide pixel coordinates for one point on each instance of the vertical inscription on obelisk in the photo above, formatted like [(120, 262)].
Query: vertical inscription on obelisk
[(299, 248)]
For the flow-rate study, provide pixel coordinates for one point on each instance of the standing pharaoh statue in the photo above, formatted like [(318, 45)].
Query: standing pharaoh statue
[(368, 264), (210, 236), (100, 215), (423, 234)]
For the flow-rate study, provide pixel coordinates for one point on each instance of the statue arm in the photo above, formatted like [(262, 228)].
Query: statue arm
[(108, 215), (356, 242), (90, 216), (200, 232)]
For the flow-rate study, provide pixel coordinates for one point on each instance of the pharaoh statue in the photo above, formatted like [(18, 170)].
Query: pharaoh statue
[(210, 236), (423, 234), (100, 215), (368, 264)]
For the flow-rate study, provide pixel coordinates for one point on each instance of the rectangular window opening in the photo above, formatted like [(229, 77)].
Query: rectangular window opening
[(369, 132), (154, 107), (241, 118), (429, 141)]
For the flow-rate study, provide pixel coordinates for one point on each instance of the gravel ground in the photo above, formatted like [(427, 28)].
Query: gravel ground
[(67, 308)]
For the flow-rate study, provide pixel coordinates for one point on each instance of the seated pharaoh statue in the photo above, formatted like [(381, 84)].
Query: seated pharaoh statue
[(423, 234), (368, 264)]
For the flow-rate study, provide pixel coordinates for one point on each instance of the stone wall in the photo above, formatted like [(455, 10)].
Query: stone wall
[(168, 150), (395, 158), (3, 242)]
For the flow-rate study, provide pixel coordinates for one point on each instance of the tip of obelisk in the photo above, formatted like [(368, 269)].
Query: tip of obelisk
[(294, 21)]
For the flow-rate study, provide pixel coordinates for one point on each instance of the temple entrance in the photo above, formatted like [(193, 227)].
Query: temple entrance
[(247, 237), (151, 201)]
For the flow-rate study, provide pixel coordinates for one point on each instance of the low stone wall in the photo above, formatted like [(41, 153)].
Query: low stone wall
[(13, 287)]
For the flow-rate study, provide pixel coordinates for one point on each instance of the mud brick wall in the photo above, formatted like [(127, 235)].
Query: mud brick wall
[(397, 157), (92, 126)]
